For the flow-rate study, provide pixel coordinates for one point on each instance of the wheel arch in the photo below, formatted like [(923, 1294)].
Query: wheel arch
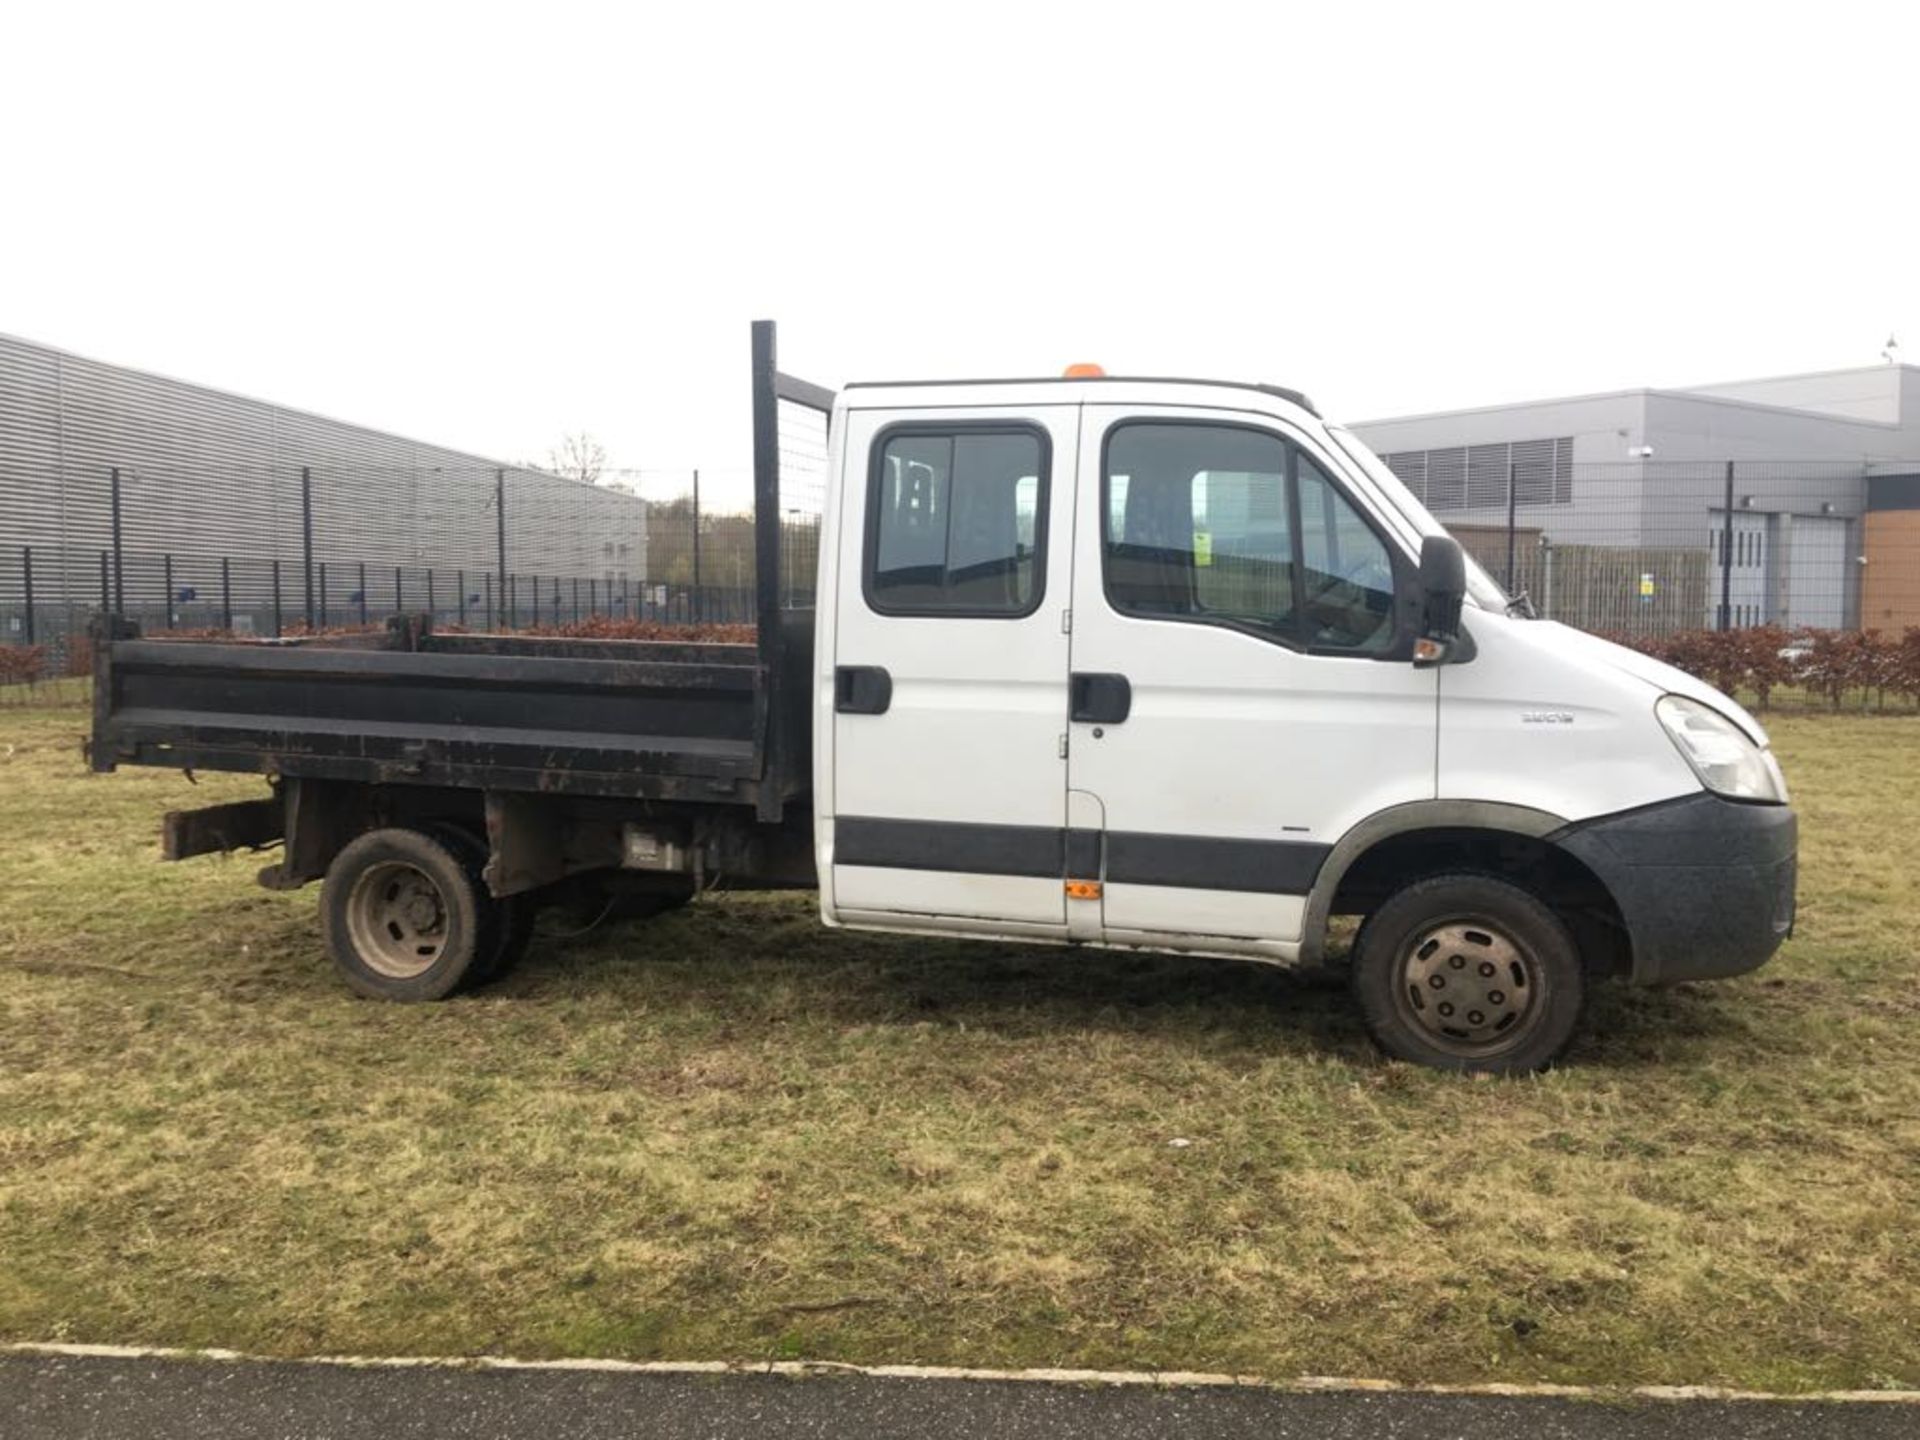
[(1427, 837)]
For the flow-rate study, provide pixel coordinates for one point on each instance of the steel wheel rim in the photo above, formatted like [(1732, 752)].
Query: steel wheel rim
[(398, 919), (1469, 986)]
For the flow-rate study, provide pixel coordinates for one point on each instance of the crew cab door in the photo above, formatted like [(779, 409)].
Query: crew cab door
[(950, 670), (1242, 688)]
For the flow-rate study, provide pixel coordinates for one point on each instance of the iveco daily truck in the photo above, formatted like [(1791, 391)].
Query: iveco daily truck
[(1090, 660)]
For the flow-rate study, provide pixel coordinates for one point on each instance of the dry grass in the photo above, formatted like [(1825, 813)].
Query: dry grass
[(728, 1133)]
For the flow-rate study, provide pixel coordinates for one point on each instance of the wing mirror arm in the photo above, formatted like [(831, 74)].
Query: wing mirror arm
[(1443, 592)]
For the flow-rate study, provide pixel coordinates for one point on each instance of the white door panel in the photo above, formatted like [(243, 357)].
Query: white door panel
[(1818, 572), (1286, 744), (934, 894), (1241, 760), (1749, 572), (948, 802), (1141, 911)]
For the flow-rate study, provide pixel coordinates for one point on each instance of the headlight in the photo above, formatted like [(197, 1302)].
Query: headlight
[(1727, 762)]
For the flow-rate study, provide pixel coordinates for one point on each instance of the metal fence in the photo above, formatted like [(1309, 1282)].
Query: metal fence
[(1633, 549), (343, 547), (1649, 549)]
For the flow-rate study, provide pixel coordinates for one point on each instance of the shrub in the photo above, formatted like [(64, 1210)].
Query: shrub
[(1906, 664), (1831, 663), (1837, 661), (21, 664)]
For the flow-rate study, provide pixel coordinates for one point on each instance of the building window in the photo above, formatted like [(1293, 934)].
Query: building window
[(1475, 477)]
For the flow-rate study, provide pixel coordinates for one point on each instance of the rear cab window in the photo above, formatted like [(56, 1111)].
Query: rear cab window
[(956, 520)]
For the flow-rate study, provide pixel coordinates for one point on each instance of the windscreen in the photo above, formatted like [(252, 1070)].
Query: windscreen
[(1482, 589)]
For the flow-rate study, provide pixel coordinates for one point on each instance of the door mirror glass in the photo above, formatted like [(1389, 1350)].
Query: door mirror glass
[(1443, 586)]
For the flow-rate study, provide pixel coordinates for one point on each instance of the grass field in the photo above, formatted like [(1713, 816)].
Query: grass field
[(730, 1134)]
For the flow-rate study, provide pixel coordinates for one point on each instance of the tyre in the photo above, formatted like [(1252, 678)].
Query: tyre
[(1468, 972), (403, 915), (506, 924)]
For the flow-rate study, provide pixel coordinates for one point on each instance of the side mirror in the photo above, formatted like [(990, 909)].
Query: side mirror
[(1443, 589)]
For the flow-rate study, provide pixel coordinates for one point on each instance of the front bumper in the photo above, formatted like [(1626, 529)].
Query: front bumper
[(1706, 885)]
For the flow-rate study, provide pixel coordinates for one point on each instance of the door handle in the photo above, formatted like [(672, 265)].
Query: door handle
[(1098, 699), (862, 690)]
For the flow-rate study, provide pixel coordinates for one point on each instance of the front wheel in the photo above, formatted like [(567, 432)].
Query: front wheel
[(1468, 972)]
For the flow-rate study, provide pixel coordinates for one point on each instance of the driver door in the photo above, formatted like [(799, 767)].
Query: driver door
[(1242, 691)]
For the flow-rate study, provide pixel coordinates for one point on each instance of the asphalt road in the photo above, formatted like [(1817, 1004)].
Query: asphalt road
[(92, 1398)]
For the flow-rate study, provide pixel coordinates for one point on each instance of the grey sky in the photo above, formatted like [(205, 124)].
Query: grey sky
[(484, 224)]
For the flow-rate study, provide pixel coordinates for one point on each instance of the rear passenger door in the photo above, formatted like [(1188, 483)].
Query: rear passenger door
[(949, 777)]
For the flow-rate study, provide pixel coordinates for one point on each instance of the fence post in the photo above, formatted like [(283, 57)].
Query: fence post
[(536, 600), (119, 571), (363, 591), (593, 595), (576, 599), (500, 534), (26, 577), (166, 579), (1726, 556), (226, 594), (399, 603), (429, 590), (461, 577), (697, 606), (106, 587), (323, 596), (1512, 516), (306, 544), (278, 626), (490, 610)]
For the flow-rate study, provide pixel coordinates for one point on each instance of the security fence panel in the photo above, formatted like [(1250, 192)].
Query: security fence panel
[(1648, 549)]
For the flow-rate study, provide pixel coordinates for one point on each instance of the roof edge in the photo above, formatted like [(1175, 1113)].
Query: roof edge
[(1281, 392), (483, 460)]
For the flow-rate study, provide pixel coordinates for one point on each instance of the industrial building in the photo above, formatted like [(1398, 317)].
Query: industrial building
[(217, 494), (1625, 494)]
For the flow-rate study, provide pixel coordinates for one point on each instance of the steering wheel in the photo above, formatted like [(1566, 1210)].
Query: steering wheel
[(1343, 608)]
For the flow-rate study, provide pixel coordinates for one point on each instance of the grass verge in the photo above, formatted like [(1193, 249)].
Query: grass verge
[(727, 1133)]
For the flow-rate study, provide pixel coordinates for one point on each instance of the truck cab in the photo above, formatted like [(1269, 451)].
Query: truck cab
[(1176, 664)]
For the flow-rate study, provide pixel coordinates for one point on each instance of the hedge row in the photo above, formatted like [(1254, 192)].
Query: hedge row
[(1833, 664)]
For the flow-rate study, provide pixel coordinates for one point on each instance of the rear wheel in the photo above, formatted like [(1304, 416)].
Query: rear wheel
[(402, 915), (1469, 972), (506, 924)]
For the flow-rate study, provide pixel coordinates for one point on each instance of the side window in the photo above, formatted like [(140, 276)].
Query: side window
[(1346, 573), (1209, 522), (1197, 525), (956, 522)]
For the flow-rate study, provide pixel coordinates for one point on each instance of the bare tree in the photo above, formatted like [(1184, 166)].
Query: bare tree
[(578, 457)]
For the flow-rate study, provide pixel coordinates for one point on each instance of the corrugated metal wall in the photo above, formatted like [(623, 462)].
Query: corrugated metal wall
[(207, 476)]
